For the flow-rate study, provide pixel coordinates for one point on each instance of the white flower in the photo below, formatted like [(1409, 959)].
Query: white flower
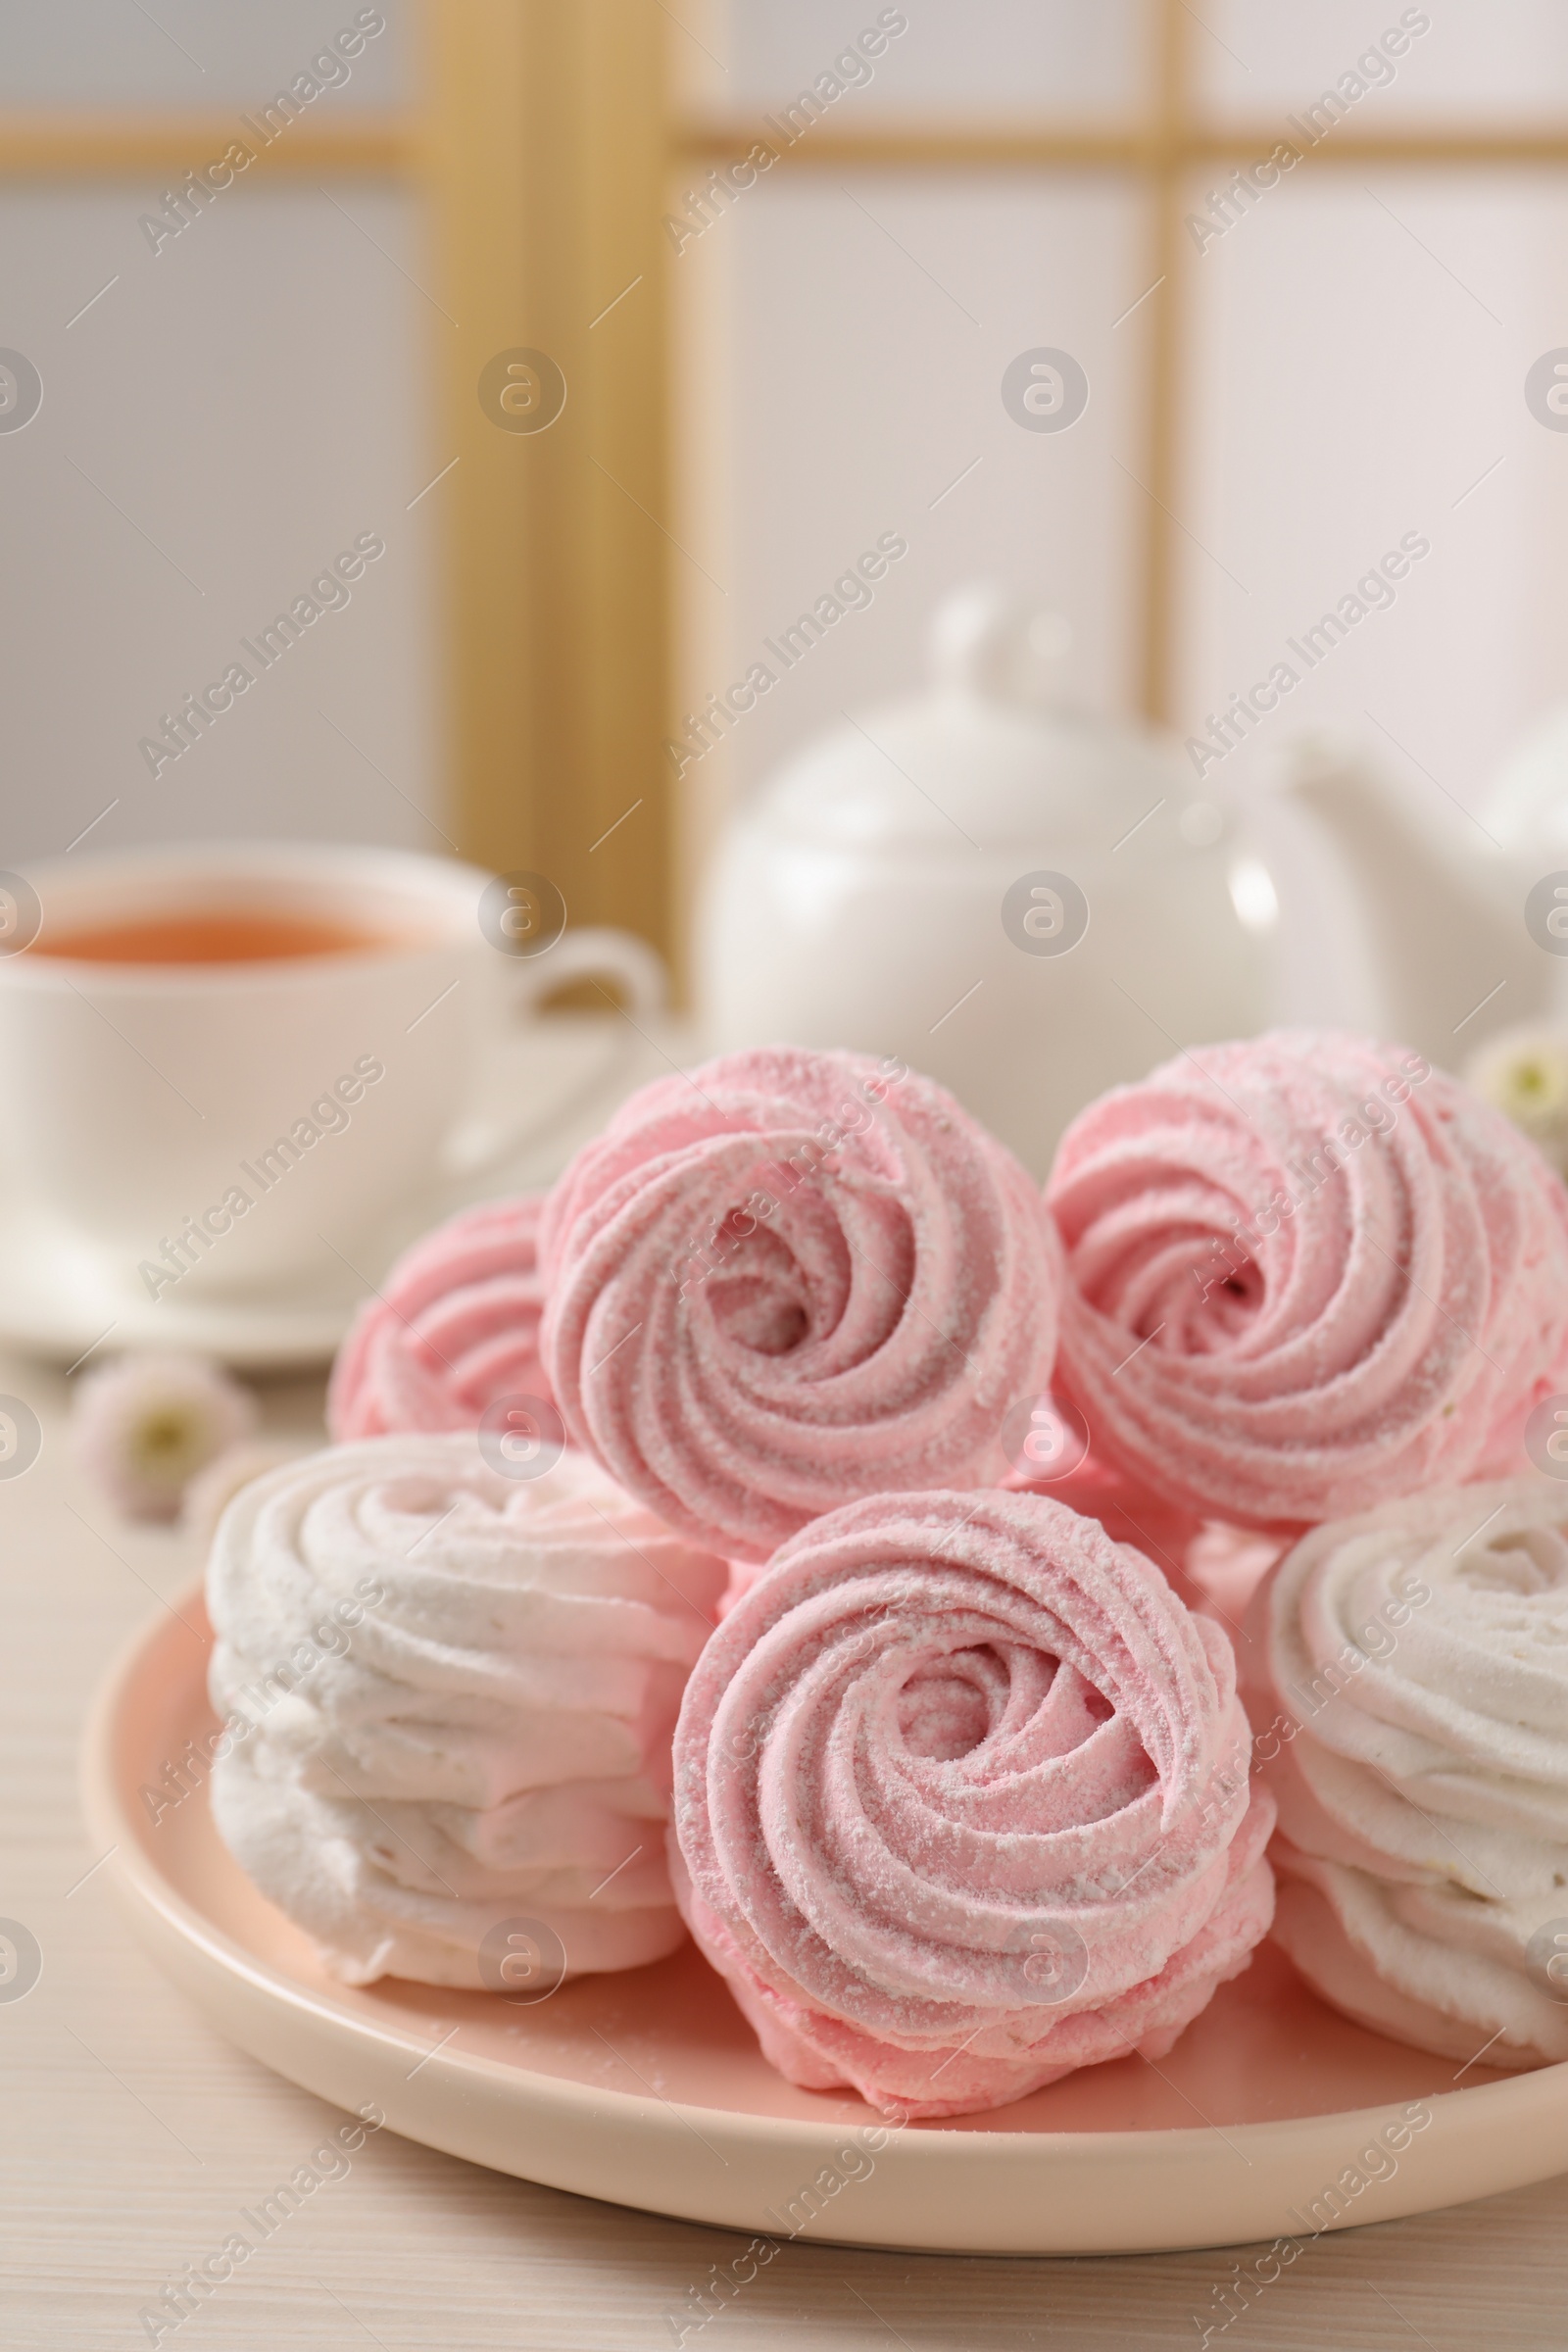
[(146, 1425), (1524, 1073)]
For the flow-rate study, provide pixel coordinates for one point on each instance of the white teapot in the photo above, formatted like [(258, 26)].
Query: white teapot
[(1453, 921), (1027, 904)]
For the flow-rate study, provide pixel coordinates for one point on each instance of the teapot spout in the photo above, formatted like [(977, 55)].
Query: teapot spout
[(1439, 909)]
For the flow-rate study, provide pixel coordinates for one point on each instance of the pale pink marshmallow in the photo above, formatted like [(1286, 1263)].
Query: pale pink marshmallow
[(962, 1802), (1305, 1273), (790, 1279), (453, 1328)]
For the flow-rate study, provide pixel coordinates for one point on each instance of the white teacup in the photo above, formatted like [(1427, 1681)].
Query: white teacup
[(207, 1123)]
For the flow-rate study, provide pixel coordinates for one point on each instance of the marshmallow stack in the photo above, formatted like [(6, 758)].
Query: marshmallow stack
[(491, 1739), (1411, 1713)]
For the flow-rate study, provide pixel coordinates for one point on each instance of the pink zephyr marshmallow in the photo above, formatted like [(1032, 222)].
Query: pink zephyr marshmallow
[(1162, 1532), (455, 1327), (790, 1279), (1306, 1273), (962, 1803)]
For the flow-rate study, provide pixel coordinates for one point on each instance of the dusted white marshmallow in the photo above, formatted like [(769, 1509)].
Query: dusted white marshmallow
[(1410, 1695), (460, 1690)]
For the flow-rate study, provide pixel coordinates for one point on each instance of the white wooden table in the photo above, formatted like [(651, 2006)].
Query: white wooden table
[(134, 2136)]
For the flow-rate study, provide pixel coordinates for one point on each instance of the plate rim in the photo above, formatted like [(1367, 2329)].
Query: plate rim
[(1513, 2105)]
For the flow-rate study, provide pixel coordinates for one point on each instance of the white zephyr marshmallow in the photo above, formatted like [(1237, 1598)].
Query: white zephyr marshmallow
[(451, 1697), (1410, 1695)]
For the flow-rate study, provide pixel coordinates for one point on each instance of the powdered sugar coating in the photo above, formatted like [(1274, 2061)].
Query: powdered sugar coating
[(1306, 1275), (456, 1326), (790, 1279), (1163, 1532), (1409, 1681), (449, 1700), (961, 1803)]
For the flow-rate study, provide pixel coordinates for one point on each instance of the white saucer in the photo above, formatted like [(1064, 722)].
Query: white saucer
[(55, 1302)]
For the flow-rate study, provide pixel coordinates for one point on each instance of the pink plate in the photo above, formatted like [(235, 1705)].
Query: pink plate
[(1272, 2118)]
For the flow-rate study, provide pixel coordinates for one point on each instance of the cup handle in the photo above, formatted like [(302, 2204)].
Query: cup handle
[(596, 951)]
